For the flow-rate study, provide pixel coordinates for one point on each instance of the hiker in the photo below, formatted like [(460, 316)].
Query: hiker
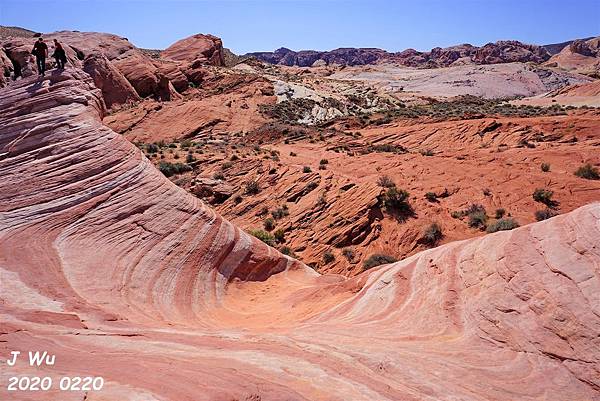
[(59, 55), (40, 51)]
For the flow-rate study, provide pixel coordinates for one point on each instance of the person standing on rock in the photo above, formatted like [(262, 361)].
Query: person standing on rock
[(59, 55), (40, 51)]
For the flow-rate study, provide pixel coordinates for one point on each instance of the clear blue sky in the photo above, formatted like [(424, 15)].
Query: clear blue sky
[(247, 26)]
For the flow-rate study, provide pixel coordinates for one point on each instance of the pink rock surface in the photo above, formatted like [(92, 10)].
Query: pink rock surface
[(121, 274)]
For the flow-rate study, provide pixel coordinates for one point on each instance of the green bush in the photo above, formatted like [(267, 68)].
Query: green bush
[(378, 259), (385, 182), (264, 236), (477, 216), (544, 214), (280, 212), (279, 235), (588, 172), (348, 253), (500, 213), (432, 234), (252, 187), (170, 169), (431, 197), (269, 224), (286, 250), (152, 148), (396, 200), (328, 257), (502, 224), (544, 196)]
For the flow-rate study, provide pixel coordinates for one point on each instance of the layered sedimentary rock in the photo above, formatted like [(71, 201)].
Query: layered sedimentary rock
[(121, 274)]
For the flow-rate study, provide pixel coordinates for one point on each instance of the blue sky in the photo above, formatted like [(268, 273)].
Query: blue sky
[(248, 26)]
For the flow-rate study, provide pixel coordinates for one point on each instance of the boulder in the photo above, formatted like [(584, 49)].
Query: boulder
[(115, 88)]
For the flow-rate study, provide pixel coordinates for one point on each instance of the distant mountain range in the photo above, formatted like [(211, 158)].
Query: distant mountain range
[(505, 51)]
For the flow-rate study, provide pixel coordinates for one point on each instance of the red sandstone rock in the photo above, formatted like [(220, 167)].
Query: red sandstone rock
[(116, 90), (205, 49)]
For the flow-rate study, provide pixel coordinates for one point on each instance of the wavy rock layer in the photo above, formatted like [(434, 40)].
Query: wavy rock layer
[(118, 272)]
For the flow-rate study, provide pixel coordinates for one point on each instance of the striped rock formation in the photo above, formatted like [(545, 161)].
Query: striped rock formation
[(121, 274)]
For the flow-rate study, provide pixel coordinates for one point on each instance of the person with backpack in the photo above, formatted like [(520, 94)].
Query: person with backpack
[(59, 55), (40, 51)]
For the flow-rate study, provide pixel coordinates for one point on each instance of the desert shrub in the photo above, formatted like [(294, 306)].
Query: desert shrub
[(427, 152), (487, 192), (432, 234), (186, 144), (190, 158), (263, 211), (169, 169), (218, 176), (152, 148), (385, 182), (588, 172), (264, 236), (544, 196), (545, 167), (378, 259), (269, 224), (252, 187), (328, 257), (176, 156), (306, 169), (279, 235), (324, 161), (477, 216), (348, 253), (226, 165), (544, 214), (431, 197), (273, 171), (396, 200), (280, 212), (237, 199), (502, 224), (322, 167), (293, 154), (286, 250), (500, 213), (387, 147), (234, 158)]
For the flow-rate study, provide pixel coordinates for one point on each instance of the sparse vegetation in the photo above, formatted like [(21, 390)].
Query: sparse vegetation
[(588, 172), (286, 250), (324, 161), (218, 176), (545, 167), (378, 259), (396, 201), (431, 197), (544, 214), (264, 236), (385, 182), (427, 152), (349, 254), (170, 169), (306, 169), (279, 235), (280, 212), (500, 213), (502, 224), (237, 199), (269, 224), (544, 196), (432, 234), (252, 187), (328, 257)]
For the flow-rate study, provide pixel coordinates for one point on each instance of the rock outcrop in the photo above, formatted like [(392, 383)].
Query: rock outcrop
[(580, 56), (491, 53), (120, 274)]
